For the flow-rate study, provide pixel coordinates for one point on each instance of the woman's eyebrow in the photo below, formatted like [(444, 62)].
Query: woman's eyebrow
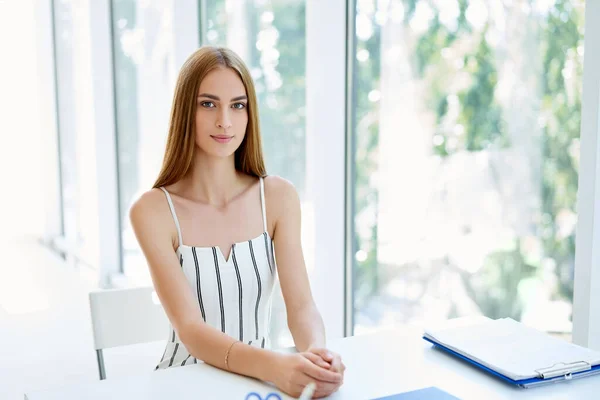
[(212, 96)]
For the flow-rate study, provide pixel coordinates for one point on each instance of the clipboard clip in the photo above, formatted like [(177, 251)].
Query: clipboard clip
[(563, 369)]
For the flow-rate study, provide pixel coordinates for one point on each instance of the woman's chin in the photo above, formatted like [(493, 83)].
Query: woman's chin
[(221, 152)]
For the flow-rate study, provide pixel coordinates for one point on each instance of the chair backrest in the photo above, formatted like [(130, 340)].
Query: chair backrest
[(122, 317)]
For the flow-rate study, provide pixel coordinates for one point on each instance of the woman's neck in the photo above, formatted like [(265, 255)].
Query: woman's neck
[(214, 180)]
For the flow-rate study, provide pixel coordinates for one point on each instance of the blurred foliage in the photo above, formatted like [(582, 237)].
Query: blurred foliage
[(366, 143), (494, 288), (480, 113), (562, 40), (284, 125)]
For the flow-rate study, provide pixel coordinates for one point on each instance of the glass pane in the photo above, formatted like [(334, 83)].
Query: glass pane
[(75, 122), (466, 128), (144, 67), (270, 37)]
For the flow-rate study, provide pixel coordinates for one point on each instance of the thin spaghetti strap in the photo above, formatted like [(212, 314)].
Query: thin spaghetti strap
[(172, 207), (262, 203)]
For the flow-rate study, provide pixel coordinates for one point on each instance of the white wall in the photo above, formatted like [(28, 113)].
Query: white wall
[(27, 151)]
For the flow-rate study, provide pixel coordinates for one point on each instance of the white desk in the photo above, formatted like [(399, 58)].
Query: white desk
[(379, 364)]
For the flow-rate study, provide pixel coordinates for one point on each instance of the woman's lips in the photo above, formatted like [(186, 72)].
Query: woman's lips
[(222, 138)]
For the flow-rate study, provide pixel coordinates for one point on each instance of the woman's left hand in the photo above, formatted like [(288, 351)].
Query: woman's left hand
[(329, 360), (332, 358)]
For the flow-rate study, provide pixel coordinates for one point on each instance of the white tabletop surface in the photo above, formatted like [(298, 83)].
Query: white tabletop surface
[(379, 364)]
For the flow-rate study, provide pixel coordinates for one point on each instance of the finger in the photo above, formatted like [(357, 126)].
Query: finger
[(322, 389), (324, 353), (325, 389), (299, 387), (315, 359), (336, 364), (301, 382), (321, 374)]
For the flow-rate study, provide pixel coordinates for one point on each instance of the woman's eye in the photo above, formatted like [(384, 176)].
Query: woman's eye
[(207, 104), (239, 106)]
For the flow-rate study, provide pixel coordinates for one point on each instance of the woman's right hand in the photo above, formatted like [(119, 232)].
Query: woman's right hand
[(292, 372)]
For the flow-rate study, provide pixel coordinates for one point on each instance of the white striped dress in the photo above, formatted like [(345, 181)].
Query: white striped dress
[(233, 295)]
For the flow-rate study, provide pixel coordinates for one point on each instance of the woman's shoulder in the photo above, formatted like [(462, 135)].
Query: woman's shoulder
[(280, 195), (276, 186), (151, 220), (149, 205)]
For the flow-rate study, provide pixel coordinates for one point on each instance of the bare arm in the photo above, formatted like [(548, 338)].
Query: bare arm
[(156, 234), (304, 320)]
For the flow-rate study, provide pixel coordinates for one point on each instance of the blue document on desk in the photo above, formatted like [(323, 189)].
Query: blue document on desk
[(430, 393), (516, 353)]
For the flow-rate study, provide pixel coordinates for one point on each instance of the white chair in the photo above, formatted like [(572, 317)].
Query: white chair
[(123, 317)]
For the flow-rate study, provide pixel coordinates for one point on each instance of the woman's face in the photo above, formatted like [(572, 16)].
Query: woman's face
[(221, 113)]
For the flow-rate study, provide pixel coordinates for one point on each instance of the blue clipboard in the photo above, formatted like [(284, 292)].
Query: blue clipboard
[(525, 383)]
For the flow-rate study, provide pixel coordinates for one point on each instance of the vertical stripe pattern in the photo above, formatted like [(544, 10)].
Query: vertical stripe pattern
[(233, 295), (220, 288), (267, 252), (187, 358), (198, 286), (240, 294), (174, 354), (258, 281)]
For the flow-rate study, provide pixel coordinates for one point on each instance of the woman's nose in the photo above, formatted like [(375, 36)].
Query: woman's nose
[(224, 122)]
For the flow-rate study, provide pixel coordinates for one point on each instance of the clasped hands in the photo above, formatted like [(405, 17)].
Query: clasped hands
[(328, 360)]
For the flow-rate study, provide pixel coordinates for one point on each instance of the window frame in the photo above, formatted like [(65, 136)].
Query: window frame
[(586, 296)]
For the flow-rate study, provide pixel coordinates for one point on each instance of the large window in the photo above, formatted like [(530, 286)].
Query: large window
[(466, 131)]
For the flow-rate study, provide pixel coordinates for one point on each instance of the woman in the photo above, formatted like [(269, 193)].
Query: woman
[(206, 227)]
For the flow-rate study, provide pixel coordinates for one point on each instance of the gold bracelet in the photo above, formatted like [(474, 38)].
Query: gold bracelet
[(227, 355)]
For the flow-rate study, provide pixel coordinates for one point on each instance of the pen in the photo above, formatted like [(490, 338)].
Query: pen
[(307, 392)]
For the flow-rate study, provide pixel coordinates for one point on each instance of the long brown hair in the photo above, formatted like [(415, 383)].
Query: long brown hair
[(181, 141)]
